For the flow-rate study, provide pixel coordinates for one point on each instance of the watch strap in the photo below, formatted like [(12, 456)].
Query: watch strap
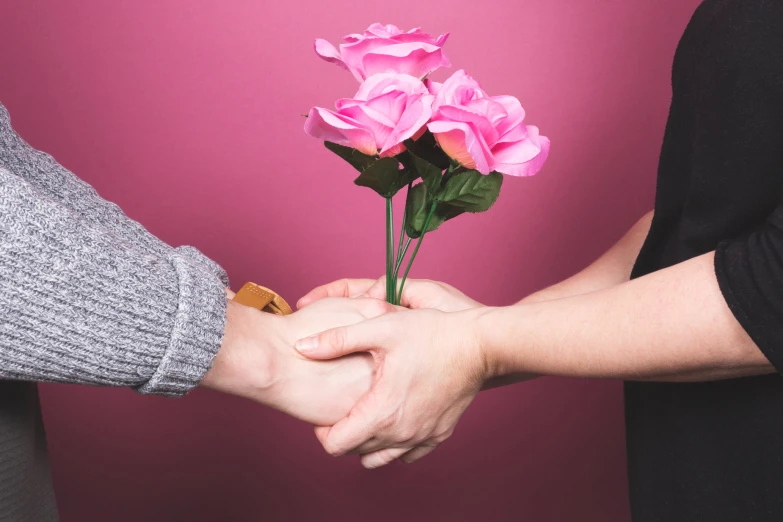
[(262, 298)]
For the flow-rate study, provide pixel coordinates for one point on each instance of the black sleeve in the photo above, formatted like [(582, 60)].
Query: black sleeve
[(750, 275), (747, 134)]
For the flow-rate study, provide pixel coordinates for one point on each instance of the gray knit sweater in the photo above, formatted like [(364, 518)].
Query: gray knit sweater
[(87, 296)]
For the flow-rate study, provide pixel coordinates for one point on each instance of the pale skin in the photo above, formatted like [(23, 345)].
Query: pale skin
[(257, 360), (671, 325)]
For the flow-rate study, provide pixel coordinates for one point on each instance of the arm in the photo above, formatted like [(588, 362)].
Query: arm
[(60, 185), (679, 324), (80, 305), (672, 325), (612, 268)]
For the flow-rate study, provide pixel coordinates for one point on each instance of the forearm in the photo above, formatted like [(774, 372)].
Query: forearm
[(671, 325), (81, 305), (612, 268)]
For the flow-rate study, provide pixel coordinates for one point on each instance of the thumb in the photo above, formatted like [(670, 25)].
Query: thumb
[(337, 342)]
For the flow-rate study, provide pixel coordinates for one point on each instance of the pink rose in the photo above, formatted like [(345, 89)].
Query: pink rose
[(387, 110), (482, 132), (384, 48)]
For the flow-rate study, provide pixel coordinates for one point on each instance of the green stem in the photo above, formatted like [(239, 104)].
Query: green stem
[(402, 256), (400, 251), (418, 245), (402, 232), (390, 297), (400, 259)]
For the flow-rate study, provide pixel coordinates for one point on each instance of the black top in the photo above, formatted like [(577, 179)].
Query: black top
[(713, 451)]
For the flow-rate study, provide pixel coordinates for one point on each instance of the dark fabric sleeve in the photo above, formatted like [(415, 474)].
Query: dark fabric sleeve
[(740, 141), (750, 275)]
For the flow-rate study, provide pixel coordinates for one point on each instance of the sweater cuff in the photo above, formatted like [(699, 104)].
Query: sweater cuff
[(197, 334), (195, 256)]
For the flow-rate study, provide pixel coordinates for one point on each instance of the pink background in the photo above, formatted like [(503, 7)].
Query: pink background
[(187, 114)]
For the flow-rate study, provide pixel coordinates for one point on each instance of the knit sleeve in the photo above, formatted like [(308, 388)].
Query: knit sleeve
[(58, 183), (80, 304)]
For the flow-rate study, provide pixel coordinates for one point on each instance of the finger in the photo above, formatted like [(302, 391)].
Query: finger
[(340, 288), (419, 452), (382, 457), (321, 432), (377, 443), (410, 292), (361, 337), (348, 433), (370, 308), (378, 289)]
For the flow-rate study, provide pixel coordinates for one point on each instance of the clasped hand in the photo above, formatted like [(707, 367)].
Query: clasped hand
[(383, 381), (428, 368)]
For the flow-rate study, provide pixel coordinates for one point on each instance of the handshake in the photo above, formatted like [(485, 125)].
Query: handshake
[(380, 380)]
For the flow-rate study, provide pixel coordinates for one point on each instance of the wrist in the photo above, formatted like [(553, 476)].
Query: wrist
[(476, 320), (246, 364), (494, 328)]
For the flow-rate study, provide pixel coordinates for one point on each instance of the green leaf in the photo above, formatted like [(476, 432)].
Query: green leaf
[(471, 190), (430, 174), (417, 206), (358, 160), (427, 148), (445, 211), (385, 177)]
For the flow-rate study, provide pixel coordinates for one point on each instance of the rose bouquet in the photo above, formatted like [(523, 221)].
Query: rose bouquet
[(401, 127)]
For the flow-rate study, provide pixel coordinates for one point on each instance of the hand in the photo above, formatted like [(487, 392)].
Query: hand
[(429, 367), (257, 360), (418, 293)]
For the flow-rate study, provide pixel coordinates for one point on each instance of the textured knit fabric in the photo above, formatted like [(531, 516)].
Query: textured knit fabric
[(87, 296), (713, 452)]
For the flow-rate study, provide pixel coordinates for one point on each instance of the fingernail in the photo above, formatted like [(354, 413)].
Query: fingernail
[(306, 345)]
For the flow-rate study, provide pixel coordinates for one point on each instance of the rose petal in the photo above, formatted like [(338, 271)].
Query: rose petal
[(382, 31), (375, 123), (391, 105), (415, 58), (517, 133), (415, 117), (479, 121), (397, 149), (378, 84), (490, 109), (524, 158), (328, 52), (457, 90), (461, 143), (515, 114), (433, 87), (330, 126), (353, 53)]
